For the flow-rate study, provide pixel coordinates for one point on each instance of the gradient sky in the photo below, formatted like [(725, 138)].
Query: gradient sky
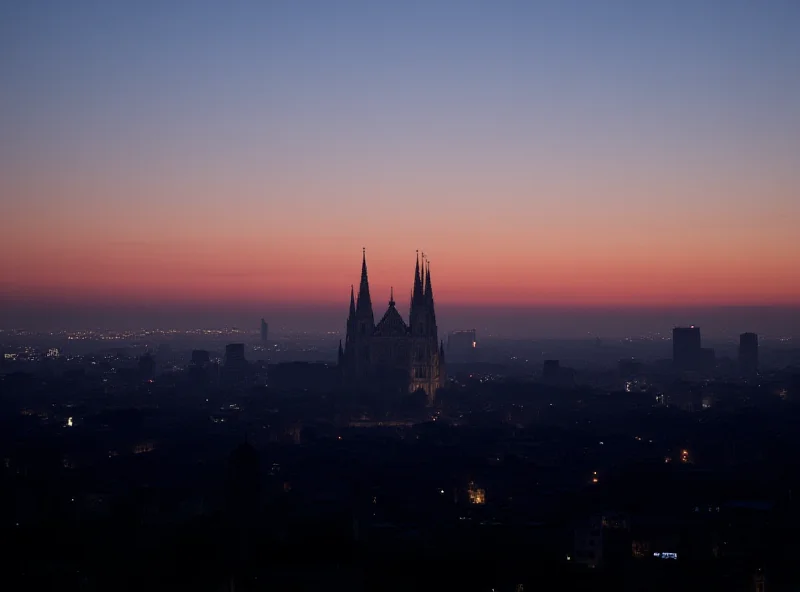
[(541, 153)]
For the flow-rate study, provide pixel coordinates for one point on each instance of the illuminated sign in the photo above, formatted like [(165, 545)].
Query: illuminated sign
[(665, 555)]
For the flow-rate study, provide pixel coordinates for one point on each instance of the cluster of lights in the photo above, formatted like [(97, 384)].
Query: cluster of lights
[(477, 495)]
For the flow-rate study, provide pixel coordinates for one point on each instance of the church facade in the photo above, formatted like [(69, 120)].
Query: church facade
[(391, 354)]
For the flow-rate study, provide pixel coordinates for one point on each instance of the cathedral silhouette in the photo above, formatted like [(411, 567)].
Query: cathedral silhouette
[(393, 355)]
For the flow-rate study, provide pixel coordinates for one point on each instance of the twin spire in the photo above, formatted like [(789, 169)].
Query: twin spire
[(422, 293)]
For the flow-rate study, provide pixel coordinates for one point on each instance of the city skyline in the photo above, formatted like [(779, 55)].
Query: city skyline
[(399, 295), (209, 156)]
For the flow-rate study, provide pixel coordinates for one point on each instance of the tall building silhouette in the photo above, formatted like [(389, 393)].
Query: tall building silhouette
[(686, 346), (391, 353), (200, 357), (748, 354), (264, 330), (234, 354)]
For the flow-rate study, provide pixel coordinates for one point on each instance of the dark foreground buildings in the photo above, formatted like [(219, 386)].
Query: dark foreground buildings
[(686, 348), (392, 354)]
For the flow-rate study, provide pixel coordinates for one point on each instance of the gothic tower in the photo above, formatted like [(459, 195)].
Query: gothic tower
[(391, 354), (360, 327), (427, 371)]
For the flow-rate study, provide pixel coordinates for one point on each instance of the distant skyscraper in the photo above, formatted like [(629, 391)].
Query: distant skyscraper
[(264, 330), (748, 354), (461, 344), (686, 347)]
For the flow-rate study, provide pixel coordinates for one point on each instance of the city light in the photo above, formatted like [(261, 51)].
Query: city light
[(477, 495)]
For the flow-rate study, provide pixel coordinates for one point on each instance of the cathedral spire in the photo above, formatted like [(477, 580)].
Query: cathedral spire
[(391, 296), (429, 298), (428, 287), (364, 303), (418, 296), (352, 303)]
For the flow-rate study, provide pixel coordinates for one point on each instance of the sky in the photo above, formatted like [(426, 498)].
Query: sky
[(207, 155)]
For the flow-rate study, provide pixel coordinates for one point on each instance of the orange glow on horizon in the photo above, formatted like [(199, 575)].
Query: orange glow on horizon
[(128, 275), (615, 254)]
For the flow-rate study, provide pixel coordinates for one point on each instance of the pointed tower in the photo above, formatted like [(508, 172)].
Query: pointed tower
[(364, 302), (360, 328), (425, 367), (437, 366), (346, 356), (417, 298), (432, 328), (416, 316)]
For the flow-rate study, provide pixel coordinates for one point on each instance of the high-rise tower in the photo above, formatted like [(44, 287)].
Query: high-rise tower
[(686, 346)]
